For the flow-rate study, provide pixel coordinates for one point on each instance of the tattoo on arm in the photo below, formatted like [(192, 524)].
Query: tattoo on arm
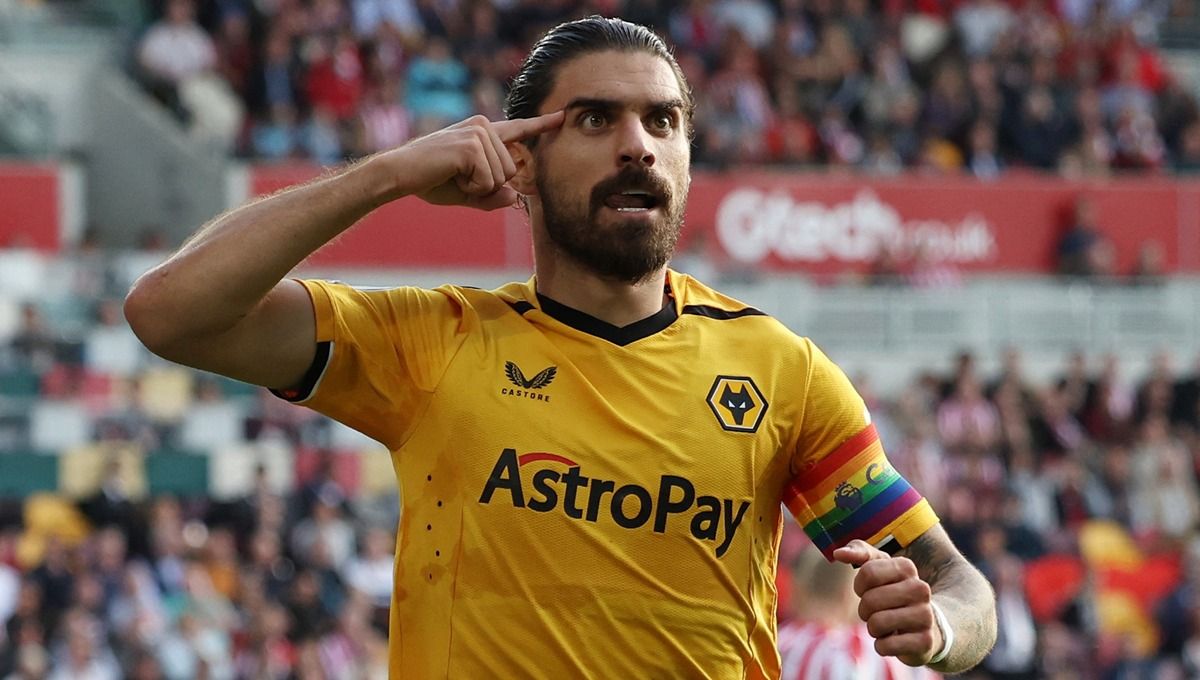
[(963, 594)]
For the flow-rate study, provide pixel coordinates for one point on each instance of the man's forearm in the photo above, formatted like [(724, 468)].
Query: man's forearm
[(228, 266), (962, 593)]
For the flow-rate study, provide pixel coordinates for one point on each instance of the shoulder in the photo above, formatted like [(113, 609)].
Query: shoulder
[(731, 315), (702, 300)]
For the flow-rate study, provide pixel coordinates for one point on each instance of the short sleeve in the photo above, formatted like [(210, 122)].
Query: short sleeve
[(380, 355), (842, 486)]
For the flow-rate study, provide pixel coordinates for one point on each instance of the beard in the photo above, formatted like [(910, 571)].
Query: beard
[(625, 250)]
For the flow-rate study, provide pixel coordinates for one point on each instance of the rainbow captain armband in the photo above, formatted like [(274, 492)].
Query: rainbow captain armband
[(855, 493)]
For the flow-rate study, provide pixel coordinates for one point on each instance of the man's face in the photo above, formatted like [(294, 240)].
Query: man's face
[(613, 181)]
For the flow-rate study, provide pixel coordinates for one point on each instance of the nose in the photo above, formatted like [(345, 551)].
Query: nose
[(634, 144)]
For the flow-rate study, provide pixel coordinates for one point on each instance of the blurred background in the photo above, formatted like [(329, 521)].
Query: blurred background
[(984, 210)]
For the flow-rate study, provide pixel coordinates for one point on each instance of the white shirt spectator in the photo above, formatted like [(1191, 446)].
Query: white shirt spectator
[(10, 589), (177, 52), (371, 571), (981, 23), (401, 14), (754, 19), (812, 651)]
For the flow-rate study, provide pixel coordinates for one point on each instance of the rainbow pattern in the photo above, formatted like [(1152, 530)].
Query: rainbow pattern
[(851, 493)]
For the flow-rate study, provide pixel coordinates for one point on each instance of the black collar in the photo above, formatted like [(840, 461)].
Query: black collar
[(618, 335)]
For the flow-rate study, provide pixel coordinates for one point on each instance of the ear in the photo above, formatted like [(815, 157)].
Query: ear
[(524, 181)]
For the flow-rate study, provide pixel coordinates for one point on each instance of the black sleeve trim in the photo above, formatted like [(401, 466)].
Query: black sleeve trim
[(311, 377), (520, 306), (718, 313)]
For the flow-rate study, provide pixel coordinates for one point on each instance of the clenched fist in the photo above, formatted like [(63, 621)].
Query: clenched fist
[(895, 603)]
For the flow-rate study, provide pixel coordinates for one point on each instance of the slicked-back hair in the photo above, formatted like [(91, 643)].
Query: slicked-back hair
[(572, 39)]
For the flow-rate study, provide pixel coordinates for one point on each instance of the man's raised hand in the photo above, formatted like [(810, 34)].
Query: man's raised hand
[(895, 603), (468, 163)]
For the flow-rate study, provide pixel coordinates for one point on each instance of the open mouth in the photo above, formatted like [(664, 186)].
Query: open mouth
[(633, 200)]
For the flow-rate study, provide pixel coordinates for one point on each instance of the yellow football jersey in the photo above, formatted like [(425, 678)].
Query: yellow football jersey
[(587, 501)]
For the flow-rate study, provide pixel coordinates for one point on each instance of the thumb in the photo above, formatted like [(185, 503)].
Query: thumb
[(503, 197), (857, 553)]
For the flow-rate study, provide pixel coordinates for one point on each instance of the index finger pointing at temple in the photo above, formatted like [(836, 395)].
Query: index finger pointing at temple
[(520, 129)]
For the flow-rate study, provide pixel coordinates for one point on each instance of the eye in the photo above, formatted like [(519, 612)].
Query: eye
[(663, 121), (592, 120)]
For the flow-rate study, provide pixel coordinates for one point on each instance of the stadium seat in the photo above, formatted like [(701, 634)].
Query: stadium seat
[(22, 274), (114, 350), (25, 473), (10, 317), (346, 468), (378, 475), (178, 472), (165, 393), (232, 469), (212, 425), (19, 383), (81, 470), (235, 389), (57, 425), (343, 438), (14, 428)]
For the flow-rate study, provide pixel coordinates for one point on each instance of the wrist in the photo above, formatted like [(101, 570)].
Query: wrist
[(943, 625), (380, 180)]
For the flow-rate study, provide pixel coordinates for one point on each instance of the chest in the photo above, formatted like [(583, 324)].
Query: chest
[(650, 436)]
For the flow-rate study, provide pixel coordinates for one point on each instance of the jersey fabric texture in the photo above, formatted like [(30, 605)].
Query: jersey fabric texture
[(586, 501)]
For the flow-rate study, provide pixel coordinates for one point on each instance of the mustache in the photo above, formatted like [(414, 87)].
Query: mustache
[(632, 178)]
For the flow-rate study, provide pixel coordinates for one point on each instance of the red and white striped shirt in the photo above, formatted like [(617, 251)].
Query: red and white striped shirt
[(812, 651)]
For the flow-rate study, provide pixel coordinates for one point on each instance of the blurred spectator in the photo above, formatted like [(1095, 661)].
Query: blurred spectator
[(1166, 497), (174, 50), (111, 347), (384, 123), (335, 78), (276, 138), (885, 269), (1187, 160), (325, 528), (1015, 655), (967, 419), (826, 640), (267, 652), (34, 344), (275, 81), (370, 572), (928, 271), (1150, 267), (1108, 407), (981, 23), (437, 90), (112, 504), (84, 655), (982, 158), (1062, 86), (1081, 248), (178, 61), (270, 570), (370, 15)]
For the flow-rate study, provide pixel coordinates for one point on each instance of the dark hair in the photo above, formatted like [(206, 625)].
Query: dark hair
[(566, 41)]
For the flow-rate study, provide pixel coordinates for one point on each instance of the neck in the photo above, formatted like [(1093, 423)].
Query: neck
[(617, 303), (567, 282)]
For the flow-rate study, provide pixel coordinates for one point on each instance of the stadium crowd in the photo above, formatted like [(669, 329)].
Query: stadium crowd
[(948, 86), (1078, 496)]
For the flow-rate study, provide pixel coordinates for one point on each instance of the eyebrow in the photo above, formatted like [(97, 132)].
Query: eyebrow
[(606, 105)]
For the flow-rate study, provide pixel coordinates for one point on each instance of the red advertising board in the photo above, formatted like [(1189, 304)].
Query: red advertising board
[(814, 223), (30, 212), (413, 233)]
